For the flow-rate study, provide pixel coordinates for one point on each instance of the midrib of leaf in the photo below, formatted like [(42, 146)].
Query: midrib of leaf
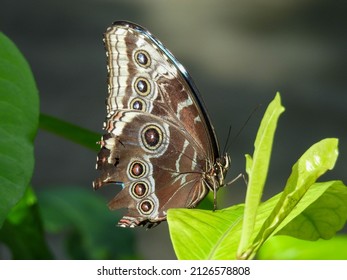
[(223, 237)]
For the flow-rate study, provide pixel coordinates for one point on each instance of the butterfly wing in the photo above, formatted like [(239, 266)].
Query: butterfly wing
[(159, 140)]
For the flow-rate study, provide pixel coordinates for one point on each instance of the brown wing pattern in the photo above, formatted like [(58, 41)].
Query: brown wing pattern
[(158, 145)]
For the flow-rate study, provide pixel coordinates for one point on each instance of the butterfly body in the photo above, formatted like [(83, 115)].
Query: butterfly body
[(160, 145)]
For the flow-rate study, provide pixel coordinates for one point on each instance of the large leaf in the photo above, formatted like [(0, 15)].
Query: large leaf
[(19, 112), (216, 235), (257, 168), (324, 217), (319, 158), (205, 234), (90, 229), (318, 197)]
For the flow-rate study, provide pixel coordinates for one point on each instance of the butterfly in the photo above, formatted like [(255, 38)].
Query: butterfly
[(160, 146)]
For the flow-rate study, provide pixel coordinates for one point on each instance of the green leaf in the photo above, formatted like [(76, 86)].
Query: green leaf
[(257, 168), (324, 217), (216, 235), (19, 112), (289, 248), (89, 226), (22, 231), (316, 193), (319, 158), (209, 232), (70, 131)]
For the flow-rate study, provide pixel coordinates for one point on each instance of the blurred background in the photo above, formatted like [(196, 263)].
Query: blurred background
[(239, 54)]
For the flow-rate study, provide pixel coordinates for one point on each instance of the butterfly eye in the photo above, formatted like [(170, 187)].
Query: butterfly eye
[(146, 206), (137, 169), (142, 86), (139, 189), (138, 104), (142, 58), (152, 137)]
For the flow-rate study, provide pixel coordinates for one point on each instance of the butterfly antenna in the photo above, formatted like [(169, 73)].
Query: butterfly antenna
[(227, 141), (241, 129)]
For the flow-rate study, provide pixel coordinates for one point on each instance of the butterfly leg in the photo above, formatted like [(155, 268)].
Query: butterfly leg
[(241, 175), (215, 197), (215, 188)]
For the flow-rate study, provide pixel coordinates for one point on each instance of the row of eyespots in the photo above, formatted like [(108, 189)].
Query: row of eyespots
[(140, 189), (151, 136), (141, 85)]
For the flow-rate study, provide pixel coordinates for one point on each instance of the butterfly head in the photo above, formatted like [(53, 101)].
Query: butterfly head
[(217, 172), (221, 168)]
